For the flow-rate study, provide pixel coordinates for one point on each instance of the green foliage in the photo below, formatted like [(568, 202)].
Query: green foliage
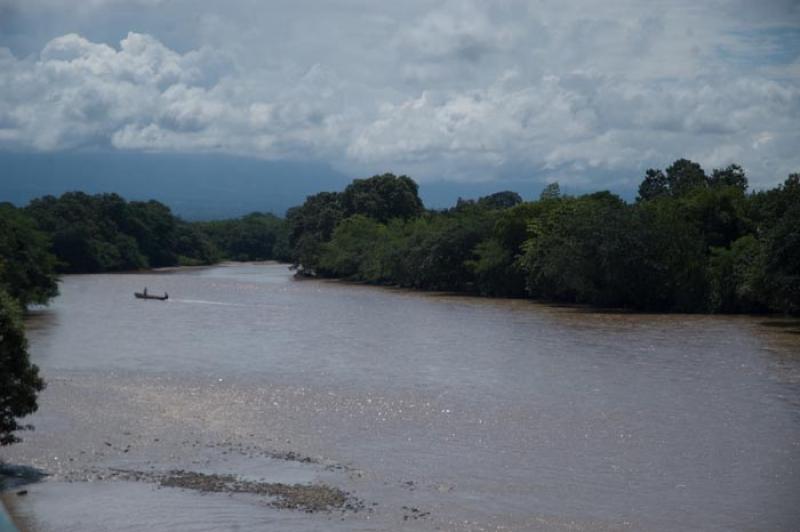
[(106, 233), (256, 236), (152, 227), (351, 253), (27, 275), (27, 269), (19, 379), (445, 249), (668, 255), (499, 200), (310, 225), (194, 247), (498, 268), (691, 243), (719, 213), (732, 176), (382, 197), (578, 251), (495, 270), (684, 176), (735, 273), (550, 192), (103, 232), (781, 267), (653, 185)]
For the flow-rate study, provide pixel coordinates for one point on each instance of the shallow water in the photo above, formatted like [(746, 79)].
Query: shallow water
[(489, 414)]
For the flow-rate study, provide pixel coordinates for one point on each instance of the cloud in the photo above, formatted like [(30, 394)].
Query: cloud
[(582, 121), (463, 90), (144, 96)]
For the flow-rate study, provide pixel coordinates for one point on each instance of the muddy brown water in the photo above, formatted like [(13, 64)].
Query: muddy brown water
[(435, 412)]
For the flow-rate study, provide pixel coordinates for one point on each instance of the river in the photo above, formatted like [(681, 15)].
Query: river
[(433, 411)]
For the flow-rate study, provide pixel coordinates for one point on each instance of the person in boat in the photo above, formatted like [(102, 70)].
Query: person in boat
[(145, 291)]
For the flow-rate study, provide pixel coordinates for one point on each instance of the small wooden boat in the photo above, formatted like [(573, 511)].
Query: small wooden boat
[(145, 295)]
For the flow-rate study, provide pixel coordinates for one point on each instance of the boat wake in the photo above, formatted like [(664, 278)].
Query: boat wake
[(206, 302)]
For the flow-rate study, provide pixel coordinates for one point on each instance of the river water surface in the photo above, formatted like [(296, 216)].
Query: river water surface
[(437, 412)]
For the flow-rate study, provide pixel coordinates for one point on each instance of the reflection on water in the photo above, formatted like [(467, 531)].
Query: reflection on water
[(487, 413)]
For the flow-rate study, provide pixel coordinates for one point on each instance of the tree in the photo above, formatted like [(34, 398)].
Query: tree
[(653, 186), (310, 225), (497, 268), (19, 379), (718, 213), (448, 249), (500, 200), (27, 269), (94, 233), (152, 225), (382, 197), (550, 191), (194, 246), (256, 236), (353, 251), (681, 177), (735, 277), (731, 176), (497, 201), (781, 268), (684, 176), (775, 216), (669, 257), (578, 251)]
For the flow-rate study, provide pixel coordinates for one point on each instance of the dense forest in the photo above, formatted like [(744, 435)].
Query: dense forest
[(104, 232), (691, 242)]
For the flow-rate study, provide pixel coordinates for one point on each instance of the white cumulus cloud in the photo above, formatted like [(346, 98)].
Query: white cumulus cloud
[(462, 90)]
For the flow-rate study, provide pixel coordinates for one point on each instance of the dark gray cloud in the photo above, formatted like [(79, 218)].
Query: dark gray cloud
[(458, 90)]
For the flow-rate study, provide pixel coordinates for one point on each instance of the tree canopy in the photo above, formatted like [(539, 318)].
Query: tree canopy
[(19, 379), (382, 197), (27, 269), (692, 242), (27, 276), (104, 232)]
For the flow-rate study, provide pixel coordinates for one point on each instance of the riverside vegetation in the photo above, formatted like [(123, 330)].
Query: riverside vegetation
[(691, 242)]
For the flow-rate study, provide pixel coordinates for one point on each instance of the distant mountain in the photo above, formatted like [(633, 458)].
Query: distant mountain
[(204, 187), (196, 187)]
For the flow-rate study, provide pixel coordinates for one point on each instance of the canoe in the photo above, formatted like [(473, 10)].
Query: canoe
[(141, 295)]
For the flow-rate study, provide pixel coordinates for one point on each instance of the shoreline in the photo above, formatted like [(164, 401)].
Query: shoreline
[(225, 263), (170, 269), (578, 307)]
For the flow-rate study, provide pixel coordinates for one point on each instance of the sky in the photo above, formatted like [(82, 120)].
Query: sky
[(586, 93)]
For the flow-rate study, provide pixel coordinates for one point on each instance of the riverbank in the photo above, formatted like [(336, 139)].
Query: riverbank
[(168, 269), (791, 321)]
